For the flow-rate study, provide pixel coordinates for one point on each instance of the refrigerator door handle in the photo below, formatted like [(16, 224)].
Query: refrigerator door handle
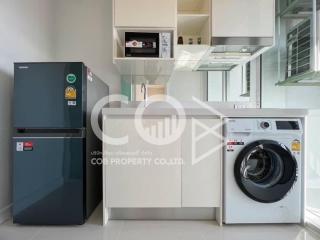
[(54, 133)]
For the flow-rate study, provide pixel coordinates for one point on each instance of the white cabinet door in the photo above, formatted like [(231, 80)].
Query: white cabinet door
[(243, 18), (154, 182), (201, 172), (145, 13)]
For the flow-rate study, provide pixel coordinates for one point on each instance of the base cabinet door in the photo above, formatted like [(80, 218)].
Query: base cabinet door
[(201, 172), (139, 174)]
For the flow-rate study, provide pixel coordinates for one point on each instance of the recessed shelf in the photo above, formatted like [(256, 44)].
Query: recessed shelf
[(193, 6), (191, 24), (194, 26)]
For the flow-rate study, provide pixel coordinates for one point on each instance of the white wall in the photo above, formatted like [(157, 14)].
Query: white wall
[(215, 86), (303, 97), (284, 97), (185, 85), (83, 32), (274, 69), (313, 162), (46, 30), (26, 33), (272, 96)]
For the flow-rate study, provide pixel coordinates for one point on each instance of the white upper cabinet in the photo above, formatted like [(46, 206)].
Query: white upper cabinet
[(145, 13), (197, 27), (243, 18)]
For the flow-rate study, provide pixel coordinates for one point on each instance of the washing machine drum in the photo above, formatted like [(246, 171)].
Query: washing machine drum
[(265, 171)]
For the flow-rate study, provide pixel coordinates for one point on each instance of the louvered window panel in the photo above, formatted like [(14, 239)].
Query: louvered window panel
[(299, 49), (248, 77)]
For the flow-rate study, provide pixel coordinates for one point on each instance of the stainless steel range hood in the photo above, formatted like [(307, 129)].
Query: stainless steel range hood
[(227, 52), (241, 30)]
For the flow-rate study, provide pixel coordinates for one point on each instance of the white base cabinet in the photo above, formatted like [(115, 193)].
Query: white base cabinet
[(161, 181), (201, 171), (131, 183)]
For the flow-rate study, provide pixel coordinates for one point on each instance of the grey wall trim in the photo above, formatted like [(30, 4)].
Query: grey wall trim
[(162, 214), (225, 79), (5, 213)]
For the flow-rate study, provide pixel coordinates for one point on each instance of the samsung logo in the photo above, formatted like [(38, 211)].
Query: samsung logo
[(23, 67)]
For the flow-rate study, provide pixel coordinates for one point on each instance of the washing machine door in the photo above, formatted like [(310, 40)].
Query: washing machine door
[(265, 171)]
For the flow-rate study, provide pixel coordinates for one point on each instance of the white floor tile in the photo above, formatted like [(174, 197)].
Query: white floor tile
[(259, 232), (9, 231), (164, 230), (153, 230)]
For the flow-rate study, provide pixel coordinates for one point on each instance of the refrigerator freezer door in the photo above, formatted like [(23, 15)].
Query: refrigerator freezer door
[(48, 181), (49, 95)]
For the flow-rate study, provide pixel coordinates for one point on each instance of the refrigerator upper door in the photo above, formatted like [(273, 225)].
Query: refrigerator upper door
[(48, 181), (49, 95)]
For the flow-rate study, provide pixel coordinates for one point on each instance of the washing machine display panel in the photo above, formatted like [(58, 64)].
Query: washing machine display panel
[(287, 125)]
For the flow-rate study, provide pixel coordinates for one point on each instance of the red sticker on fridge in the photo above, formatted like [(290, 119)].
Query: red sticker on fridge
[(27, 146)]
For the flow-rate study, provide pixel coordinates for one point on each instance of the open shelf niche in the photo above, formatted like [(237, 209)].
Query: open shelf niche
[(194, 21)]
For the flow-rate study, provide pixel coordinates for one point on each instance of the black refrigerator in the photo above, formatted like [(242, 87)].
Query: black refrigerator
[(54, 180)]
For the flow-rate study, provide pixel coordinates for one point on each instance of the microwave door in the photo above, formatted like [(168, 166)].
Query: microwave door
[(142, 45)]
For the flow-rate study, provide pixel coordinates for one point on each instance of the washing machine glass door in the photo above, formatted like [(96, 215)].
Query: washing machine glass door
[(265, 171)]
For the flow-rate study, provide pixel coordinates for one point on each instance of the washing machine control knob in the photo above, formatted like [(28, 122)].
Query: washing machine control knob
[(264, 125)]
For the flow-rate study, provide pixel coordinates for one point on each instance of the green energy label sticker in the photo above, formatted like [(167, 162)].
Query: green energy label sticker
[(71, 78)]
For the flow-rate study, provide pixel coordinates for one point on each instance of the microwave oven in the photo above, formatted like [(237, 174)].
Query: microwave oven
[(152, 45)]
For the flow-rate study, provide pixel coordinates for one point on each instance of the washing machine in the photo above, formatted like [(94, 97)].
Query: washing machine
[(263, 170)]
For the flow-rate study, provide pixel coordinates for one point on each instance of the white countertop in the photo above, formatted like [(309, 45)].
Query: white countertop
[(248, 112)]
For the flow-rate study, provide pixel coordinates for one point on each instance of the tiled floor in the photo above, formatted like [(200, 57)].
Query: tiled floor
[(149, 230)]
